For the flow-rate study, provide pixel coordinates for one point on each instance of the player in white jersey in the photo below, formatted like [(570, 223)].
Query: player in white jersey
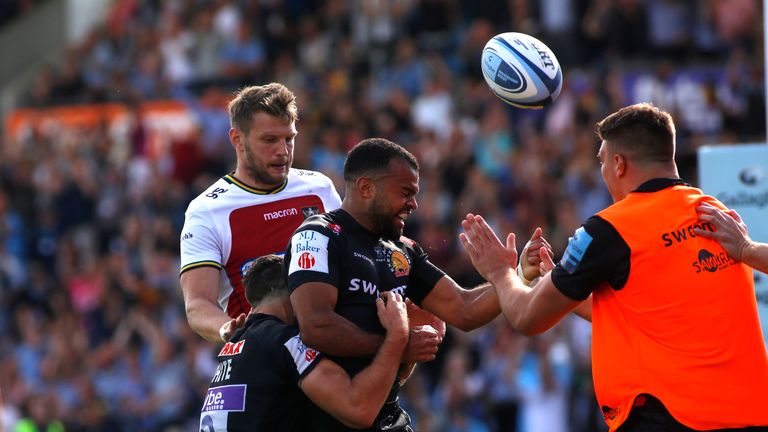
[(249, 213)]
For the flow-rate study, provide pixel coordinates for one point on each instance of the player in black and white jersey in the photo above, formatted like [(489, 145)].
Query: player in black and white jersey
[(266, 370), (339, 262), (249, 213)]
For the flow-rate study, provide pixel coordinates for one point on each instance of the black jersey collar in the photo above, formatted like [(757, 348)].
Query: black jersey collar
[(259, 316), (657, 184), (349, 222)]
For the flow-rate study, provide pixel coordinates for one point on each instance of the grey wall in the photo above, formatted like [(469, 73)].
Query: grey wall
[(26, 44)]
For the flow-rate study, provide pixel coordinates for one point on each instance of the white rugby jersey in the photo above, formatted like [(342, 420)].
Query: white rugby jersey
[(232, 224)]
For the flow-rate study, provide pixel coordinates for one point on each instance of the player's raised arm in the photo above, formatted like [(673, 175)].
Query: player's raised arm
[(536, 260), (465, 309), (529, 310), (357, 401)]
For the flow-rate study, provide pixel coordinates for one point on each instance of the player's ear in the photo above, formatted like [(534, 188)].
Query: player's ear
[(621, 164), (366, 187), (236, 138)]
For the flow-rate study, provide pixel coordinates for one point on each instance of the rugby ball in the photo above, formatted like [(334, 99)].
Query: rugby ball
[(521, 70)]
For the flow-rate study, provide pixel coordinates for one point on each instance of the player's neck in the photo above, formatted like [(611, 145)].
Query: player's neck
[(637, 178), (280, 308), (243, 176), (360, 216)]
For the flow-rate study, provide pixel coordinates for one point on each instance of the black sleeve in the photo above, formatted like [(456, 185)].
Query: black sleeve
[(295, 357), (312, 256), (424, 275), (596, 254)]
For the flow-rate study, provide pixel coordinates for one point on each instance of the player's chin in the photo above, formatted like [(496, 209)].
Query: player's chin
[(278, 173)]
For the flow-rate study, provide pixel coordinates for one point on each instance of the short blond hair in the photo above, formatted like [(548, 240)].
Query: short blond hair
[(274, 99)]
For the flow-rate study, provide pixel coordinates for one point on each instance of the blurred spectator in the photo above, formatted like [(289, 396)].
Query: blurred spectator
[(735, 21), (242, 58), (206, 44), (40, 415), (559, 21), (433, 110), (176, 44), (544, 381), (499, 367), (669, 22), (12, 247)]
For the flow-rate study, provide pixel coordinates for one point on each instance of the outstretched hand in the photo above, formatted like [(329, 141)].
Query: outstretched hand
[(490, 257), (230, 327), (730, 230), (547, 264), (531, 258)]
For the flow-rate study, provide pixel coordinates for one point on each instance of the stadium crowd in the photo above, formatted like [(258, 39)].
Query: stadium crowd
[(92, 329)]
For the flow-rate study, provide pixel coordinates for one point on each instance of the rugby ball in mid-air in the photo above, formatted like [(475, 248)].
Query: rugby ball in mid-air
[(521, 70)]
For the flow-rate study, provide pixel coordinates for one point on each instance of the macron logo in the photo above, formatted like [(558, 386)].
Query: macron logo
[(280, 214)]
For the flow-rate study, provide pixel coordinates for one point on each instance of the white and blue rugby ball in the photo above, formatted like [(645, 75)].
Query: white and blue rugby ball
[(521, 70)]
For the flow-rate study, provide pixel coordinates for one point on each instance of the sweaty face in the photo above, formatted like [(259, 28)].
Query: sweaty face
[(395, 199), (268, 150)]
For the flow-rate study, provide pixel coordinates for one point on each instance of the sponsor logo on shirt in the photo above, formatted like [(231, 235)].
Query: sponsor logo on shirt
[(309, 211), (577, 247), (309, 251), (303, 356), (610, 413), (685, 233), (368, 287), (281, 214), (216, 192), (306, 261), (361, 256), (709, 262), (247, 266), (249, 263), (335, 228), (357, 284), (187, 236), (232, 348), (398, 263), (310, 355), (225, 398), (206, 424), (381, 253)]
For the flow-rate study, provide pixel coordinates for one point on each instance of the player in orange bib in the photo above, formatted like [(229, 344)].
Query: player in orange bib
[(677, 344)]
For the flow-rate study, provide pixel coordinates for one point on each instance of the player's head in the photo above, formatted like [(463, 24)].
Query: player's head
[(385, 178), (638, 137), (265, 280), (263, 129)]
